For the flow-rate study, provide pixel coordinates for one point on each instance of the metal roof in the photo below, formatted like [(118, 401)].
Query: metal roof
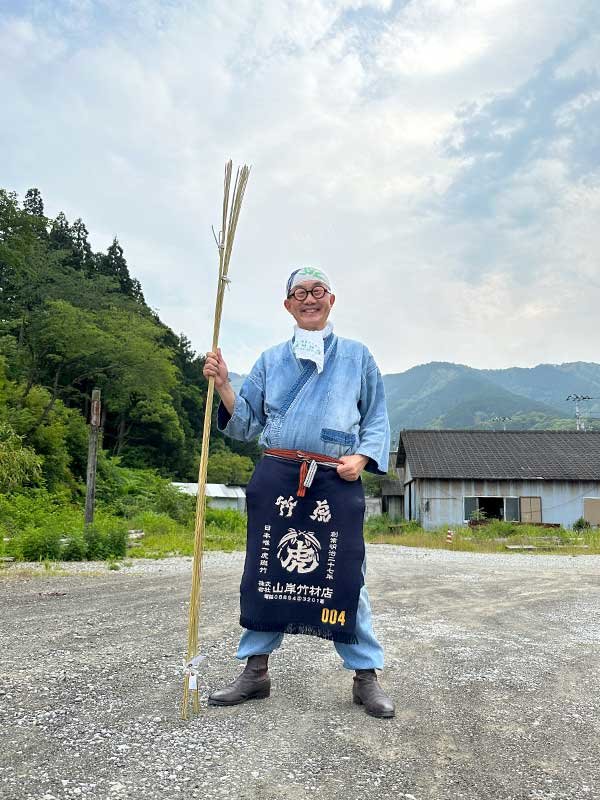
[(212, 489), (509, 455)]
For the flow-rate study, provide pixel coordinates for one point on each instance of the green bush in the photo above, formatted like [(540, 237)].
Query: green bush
[(106, 538), (177, 504), (42, 525), (126, 492), (35, 521), (74, 549), (496, 529), (379, 523), (230, 468), (37, 508), (581, 524), (156, 524), (35, 544), (227, 519)]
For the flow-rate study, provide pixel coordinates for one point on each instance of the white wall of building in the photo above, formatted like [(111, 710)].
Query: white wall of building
[(440, 502)]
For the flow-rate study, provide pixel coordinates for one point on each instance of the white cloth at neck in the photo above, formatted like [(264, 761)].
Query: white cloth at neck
[(311, 344)]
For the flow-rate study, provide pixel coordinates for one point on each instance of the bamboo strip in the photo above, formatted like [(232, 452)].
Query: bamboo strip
[(231, 213)]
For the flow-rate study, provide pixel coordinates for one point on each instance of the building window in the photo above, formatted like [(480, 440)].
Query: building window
[(506, 508), (511, 509), (470, 507)]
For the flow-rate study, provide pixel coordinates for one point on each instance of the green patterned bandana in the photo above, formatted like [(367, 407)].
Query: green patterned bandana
[(307, 274)]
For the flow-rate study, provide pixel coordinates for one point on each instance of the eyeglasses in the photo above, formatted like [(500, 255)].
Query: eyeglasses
[(301, 293)]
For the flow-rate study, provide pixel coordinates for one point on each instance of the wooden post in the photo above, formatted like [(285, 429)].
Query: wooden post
[(92, 456)]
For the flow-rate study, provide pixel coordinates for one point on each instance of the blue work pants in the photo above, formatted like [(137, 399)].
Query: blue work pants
[(366, 654)]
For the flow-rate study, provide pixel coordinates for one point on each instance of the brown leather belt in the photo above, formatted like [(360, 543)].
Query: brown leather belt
[(304, 460)]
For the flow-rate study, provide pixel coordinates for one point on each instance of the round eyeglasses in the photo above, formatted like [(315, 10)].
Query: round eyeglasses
[(301, 293)]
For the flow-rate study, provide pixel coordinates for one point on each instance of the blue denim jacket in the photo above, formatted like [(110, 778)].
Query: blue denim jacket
[(338, 412)]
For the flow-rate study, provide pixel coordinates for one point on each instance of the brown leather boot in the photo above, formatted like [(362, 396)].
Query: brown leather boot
[(254, 683), (367, 692)]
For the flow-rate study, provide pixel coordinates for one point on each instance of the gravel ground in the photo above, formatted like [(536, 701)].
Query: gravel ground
[(493, 661)]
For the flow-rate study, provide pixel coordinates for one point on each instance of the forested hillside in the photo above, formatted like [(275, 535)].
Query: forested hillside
[(445, 395), (552, 383), (70, 320)]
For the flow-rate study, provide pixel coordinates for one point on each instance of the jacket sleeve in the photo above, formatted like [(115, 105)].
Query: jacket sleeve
[(248, 418), (374, 434)]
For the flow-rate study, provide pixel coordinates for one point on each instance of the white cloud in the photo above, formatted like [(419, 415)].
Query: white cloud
[(343, 108)]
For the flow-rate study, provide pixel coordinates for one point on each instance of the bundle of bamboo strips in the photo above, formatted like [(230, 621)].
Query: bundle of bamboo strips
[(231, 213)]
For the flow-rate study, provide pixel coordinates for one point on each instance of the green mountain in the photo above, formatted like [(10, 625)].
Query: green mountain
[(552, 383), (445, 395)]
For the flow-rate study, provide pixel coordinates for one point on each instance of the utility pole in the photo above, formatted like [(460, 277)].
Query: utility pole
[(503, 420), (577, 399), (90, 493)]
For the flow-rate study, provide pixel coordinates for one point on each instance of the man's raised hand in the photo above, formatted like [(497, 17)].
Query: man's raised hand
[(215, 367)]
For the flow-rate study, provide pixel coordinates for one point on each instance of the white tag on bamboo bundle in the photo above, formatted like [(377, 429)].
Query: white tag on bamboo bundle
[(196, 661), (310, 475), (190, 668)]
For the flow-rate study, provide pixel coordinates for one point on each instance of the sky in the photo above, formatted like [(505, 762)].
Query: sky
[(440, 159)]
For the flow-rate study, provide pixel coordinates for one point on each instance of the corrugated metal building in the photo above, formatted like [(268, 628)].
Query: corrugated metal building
[(528, 476), (219, 495)]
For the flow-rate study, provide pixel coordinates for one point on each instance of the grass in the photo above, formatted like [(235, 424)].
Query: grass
[(38, 526), (165, 537), (490, 538), (43, 569), (48, 529)]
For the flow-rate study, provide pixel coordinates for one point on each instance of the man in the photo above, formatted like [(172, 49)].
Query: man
[(318, 404)]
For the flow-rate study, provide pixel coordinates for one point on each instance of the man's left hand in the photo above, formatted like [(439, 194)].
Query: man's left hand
[(351, 467)]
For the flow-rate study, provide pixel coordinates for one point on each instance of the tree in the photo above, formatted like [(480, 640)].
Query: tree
[(26, 264), (59, 444), (60, 233), (33, 203), (19, 464), (114, 265), (71, 319), (71, 349), (229, 468), (82, 258)]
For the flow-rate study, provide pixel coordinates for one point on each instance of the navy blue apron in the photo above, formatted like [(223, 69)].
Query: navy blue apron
[(304, 555)]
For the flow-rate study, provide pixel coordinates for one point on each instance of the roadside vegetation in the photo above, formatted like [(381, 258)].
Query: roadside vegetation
[(492, 537), (140, 515)]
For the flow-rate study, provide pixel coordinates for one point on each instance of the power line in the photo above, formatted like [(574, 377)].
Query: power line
[(577, 399), (503, 420)]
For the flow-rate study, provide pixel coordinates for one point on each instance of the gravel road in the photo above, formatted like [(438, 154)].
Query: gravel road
[(493, 662)]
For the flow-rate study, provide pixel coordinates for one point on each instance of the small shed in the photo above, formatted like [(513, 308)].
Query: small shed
[(372, 506), (218, 495), (448, 476)]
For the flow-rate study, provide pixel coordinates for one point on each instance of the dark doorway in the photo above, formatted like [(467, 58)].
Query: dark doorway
[(493, 507)]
